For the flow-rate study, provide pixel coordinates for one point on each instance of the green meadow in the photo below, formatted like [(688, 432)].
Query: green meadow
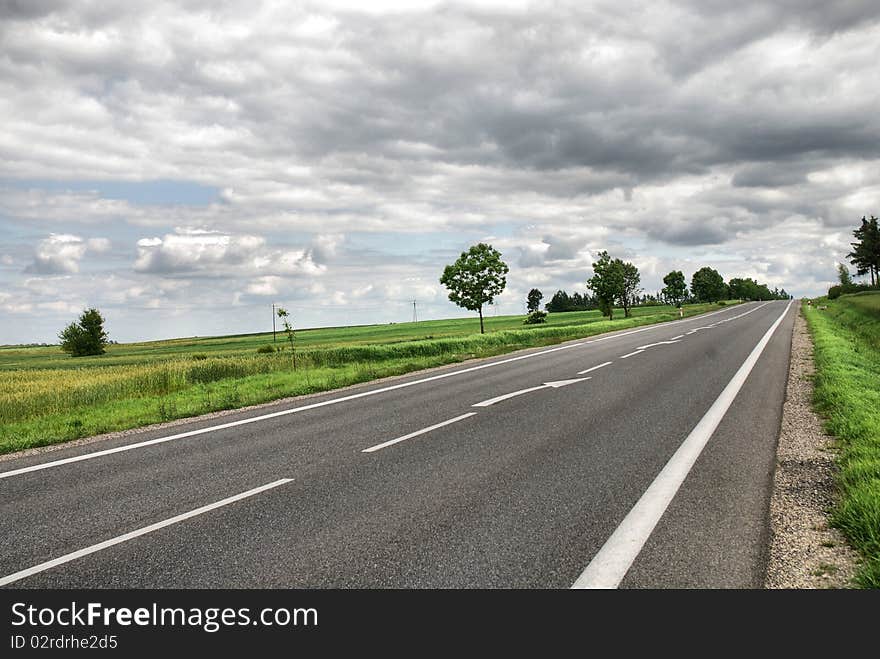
[(47, 396)]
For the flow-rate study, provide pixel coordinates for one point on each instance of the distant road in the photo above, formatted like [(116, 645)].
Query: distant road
[(638, 459)]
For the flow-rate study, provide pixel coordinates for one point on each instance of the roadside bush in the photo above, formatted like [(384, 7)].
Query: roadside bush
[(845, 289), (536, 318)]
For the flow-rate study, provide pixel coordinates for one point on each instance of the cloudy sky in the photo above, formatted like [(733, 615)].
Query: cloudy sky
[(182, 166)]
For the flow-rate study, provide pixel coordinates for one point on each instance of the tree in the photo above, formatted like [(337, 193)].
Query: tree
[(708, 286), (533, 301), (631, 288), (288, 329), (86, 336), (843, 275), (607, 283), (675, 290), (866, 250), (559, 302), (476, 278)]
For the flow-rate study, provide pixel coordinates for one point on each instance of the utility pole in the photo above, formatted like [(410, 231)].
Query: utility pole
[(273, 322)]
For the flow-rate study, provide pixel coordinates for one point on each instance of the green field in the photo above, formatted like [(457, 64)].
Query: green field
[(48, 397), (847, 353)]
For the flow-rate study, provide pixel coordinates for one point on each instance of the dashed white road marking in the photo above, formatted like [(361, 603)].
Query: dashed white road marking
[(594, 368), (659, 343), (637, 352), (379, 447), (513, 394)]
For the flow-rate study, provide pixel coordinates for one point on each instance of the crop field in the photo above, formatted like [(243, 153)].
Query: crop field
[(47, 396), (847, 352)]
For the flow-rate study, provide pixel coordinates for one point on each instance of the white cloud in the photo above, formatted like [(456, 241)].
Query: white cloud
[(59, 253), (264, 286), (188, 250)]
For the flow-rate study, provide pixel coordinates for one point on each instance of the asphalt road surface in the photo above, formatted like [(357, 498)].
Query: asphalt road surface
[(646, 462)]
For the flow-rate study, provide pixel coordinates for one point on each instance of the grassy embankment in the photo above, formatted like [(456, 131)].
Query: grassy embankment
[(847, 353), (48, 397)]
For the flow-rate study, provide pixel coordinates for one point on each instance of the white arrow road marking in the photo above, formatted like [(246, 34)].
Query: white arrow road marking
[(131, 535), (554, 385), (390, 442), (564, 383)]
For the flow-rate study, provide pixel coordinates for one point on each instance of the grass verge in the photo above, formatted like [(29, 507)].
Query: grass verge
[(42, 406), (846, 335)]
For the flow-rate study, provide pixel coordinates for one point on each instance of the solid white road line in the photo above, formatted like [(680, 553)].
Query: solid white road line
[(67, 558), (379, 447), (513, 394), (637, 352), (594, 368), (333, 401), (613, 561)]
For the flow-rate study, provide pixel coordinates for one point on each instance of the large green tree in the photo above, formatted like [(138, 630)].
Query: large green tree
[(866, 250), (708, 285), (607, 283), (86, 336), (476, 278), (675, 292)]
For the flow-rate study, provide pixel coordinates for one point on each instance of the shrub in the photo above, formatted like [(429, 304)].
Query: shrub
[(535, 318), (199, 356), (266, 350), (85, 337)]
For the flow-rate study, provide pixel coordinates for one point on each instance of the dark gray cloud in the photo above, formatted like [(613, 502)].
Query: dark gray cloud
[(711, 231), (768, 176), (29, 9)]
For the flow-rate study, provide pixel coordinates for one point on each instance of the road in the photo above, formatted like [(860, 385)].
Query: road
[(646, 462)]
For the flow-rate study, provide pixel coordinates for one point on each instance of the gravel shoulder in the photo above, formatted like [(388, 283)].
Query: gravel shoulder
[(804, 551)]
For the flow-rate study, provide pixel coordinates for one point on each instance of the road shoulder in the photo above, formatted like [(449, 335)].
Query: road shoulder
[(805, 552)]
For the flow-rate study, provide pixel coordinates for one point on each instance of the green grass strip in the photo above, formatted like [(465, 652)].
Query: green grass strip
[(847, 393)]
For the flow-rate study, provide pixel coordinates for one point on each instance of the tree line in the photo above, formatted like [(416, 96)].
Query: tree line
[(479, 275), (707, 285)]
